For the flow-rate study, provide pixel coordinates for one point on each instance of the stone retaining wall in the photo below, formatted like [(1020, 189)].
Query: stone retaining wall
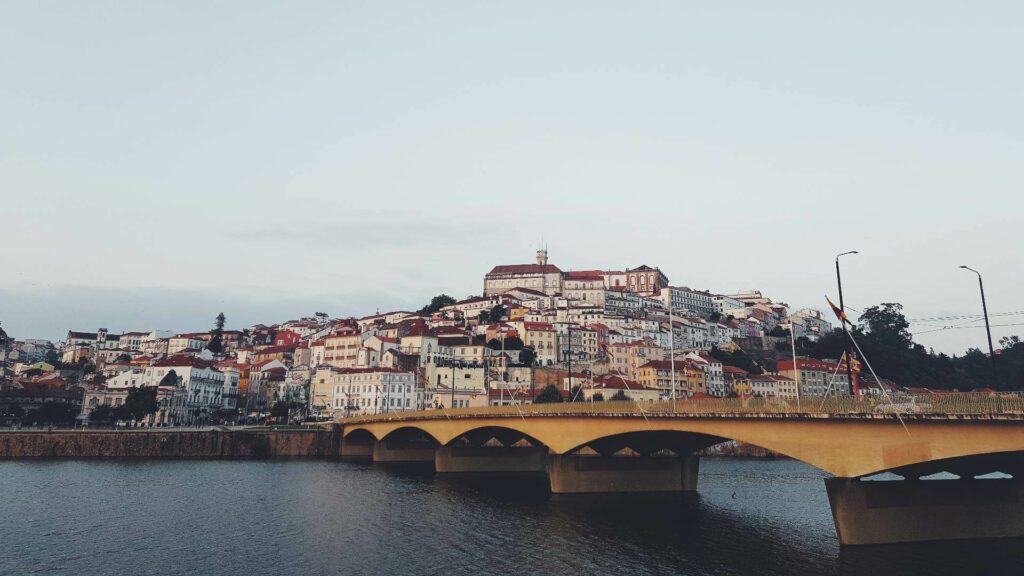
[(213, 444)]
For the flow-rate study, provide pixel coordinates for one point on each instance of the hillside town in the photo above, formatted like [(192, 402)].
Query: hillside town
[(535, 331)]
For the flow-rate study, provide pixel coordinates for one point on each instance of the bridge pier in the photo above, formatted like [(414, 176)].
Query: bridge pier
[(356, 449), (402, 452), (883, 512), (575, 474), (486, 459)]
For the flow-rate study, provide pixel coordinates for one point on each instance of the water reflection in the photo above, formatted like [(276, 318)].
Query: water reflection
[(750, 517)]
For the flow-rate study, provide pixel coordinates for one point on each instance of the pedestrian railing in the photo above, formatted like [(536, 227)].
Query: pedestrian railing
[(1010, 404)]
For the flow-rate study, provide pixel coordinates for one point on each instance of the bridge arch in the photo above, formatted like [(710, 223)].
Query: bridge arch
[(506, 436), (649, 443)]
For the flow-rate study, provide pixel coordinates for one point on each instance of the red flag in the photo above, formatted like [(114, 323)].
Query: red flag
[(839, 313)]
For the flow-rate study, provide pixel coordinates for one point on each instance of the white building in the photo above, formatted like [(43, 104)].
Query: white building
[(542, 277), (371, 390), (686, 300), (202, 383)]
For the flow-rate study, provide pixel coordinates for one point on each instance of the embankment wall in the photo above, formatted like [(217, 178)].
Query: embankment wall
[(171, 444)]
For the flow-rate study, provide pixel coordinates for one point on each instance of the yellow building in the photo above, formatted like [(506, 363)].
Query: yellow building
[(544, 340)]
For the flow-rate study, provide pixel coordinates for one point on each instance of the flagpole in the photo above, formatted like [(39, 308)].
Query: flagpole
[(854, 389)]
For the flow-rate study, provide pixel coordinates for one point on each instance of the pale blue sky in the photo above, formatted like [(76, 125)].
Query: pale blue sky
[(161, 162)]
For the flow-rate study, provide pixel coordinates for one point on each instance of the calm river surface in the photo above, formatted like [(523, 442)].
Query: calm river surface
[(312, 517)]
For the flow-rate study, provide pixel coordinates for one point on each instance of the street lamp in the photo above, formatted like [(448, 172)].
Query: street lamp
[(988, 330), (846, 334)]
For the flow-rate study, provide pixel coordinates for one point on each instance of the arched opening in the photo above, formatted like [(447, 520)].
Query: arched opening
[(992, 466), (360, 437), (495, 437), (666, 443), (409, 436)]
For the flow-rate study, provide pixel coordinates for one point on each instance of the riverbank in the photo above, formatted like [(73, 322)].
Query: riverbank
[(170, 444)]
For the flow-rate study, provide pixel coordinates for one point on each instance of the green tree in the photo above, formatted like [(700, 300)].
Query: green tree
[(101, 413), (51, 358), (511, 343), (779, 332), (527, 356), (619, 397), (224, 415), (124, 357), (216, 344), (141, 402), (887, 323), (549, 395), (738, 359), (436, 303), (280, 410), (598, 397), (51, 413), (169, 379), (576, 394), (1007, 342), (497, 313)]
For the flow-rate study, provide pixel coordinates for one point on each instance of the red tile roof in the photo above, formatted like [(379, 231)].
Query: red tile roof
[(538, 326), (525, 269), (183, 361), (584, 275)]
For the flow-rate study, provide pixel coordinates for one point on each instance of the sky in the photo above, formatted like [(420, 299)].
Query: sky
[(161, 162)]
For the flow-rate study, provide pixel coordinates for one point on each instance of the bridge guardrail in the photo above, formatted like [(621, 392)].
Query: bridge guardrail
[(941, 404)]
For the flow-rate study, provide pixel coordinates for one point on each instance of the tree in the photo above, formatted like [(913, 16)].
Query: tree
[(50, 413), (886, 323), (779, 332), (124, 357), (576, 394), (436, 303), (497, 313), (549, 395), (527, 356), (1007, 342), (101, 413), (141, 402), (216, 344), (51, 358), (619, 396), (280, 410), (224, 415), (738, 359), (169, 379), (511, 343), (597, 397)]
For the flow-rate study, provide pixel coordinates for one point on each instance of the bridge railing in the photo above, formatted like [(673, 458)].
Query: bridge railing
[(944, 404)]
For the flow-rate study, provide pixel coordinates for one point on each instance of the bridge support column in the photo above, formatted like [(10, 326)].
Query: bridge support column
[(483, 459), (882, 512), (398, 452), (573, 474), (356, 449)]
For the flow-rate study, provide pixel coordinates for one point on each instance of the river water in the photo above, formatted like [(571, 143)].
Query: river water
[(756, 517)]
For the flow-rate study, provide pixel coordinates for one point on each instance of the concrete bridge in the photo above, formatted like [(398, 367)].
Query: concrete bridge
[(977, 440)]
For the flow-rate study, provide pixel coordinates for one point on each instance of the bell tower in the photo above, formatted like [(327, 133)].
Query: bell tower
[(542, 255)]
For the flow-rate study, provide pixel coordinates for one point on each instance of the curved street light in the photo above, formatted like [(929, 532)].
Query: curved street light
[(988, 329)]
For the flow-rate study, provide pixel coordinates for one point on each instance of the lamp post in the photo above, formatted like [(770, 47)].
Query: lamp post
[(988, 330), (846, 335), (452, 405)]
